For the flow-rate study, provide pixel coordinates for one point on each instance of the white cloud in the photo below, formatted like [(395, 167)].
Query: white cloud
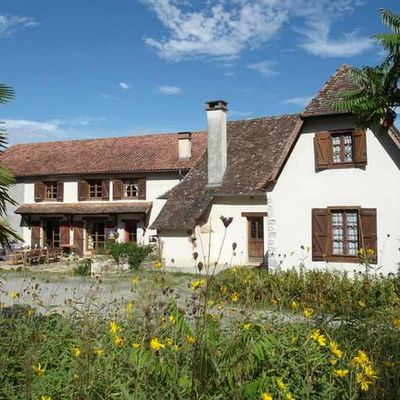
[(169, 90), (223, 29), (265, 68), (10, 24), (240, 114), (124, 86), (298, 101)]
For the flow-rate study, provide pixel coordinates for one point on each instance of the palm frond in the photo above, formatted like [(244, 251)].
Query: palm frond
[(391, 20), (6, 93)]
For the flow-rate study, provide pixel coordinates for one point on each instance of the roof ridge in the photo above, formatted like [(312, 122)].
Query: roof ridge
[(266, 117)]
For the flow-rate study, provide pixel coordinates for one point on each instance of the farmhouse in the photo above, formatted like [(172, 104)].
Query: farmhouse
[(307, 189)]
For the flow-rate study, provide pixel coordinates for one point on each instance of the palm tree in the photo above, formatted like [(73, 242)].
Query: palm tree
[(376, 95), (6, 177)]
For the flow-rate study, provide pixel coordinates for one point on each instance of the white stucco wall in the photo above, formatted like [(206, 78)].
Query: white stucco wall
[(300, 188)]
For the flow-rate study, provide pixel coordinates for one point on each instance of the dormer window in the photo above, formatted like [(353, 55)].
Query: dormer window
[(131, 188), (50, 192), (95, 190)]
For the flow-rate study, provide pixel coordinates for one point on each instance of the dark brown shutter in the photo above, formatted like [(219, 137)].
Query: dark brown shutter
[(60, 191), (78, 237), (35, 234), (360, 147), (118, 189), (322, 150), (64, 233), (320, 226), (368, 231), (82, 190), (105, 190), (142, 188), (40, 189)]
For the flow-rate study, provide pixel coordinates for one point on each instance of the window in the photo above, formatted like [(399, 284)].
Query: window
[(344, 232), (131, 188), (342, 147), (50, 192), (95, 190), (96, 236)]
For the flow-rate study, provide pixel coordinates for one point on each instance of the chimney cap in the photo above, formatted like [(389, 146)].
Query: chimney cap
[(217, 105), (184, 135)]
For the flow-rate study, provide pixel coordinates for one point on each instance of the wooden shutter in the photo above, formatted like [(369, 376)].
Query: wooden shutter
[(60, 191), (368, 231), (105, 190), (322, 150), (78, 237), (118, 189), (320, 226), (142, 188), (40, 189), (64, 233), (360, 147), (82, 190), (35, 234)]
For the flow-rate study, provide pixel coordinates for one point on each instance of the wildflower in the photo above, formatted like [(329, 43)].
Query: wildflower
[(361, 304), (334, 348), (39, 371), (363, 381), (197, 284), (396, 322), (246, 327), (14, 295), (370, 372), (308, 312), (361, 359), (341, 373), (169, 341), (45, 397), (210, 303), (119, 341), (158, 265), (176, 348), (281, 385), (99, 352), (266, 396), (76, 351), (234, 297), (294, 339), (389, 364), (172, 319), (294, 306), (135, 280), (129, 308), (333, 362), (289, 396), (156, 345), (136, 345), (223, 289), (114, 327), (317, 337), (371, 252), (31, 311), (190, 339)]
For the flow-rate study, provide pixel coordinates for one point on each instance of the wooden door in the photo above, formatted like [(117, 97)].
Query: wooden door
[(36, 229), (256, 238), (130, 231), (78, 237)]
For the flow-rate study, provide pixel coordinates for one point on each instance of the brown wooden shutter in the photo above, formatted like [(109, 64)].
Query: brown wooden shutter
[(82, 190), (60, 191), (368, 231), (320, 226), (360, 147), (64, 233), (105, 190), (35, 234), (118, 189), (322, 150), (142, 188), (78, 237), (40, 189)]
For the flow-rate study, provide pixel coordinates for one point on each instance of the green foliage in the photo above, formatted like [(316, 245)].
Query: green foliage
[(134, 253), (83, 267)]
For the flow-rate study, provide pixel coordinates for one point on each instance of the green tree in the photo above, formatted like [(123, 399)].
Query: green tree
[(6, 177), (376, 95)]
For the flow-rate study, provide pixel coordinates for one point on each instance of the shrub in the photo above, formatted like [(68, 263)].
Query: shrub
[(83, 268), (135, 253)]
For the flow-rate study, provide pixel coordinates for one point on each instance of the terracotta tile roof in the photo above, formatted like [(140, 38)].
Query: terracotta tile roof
[(255, 149), (338, 83), (85, 208), (111, 155)]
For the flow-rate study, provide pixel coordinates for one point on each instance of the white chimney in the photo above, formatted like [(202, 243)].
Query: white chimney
[(217, 147), (184, 145)]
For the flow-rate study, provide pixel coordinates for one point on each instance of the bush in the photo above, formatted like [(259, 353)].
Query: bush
[(135, 253), (83, 268)]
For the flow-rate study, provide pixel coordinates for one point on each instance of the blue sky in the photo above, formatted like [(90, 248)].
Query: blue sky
[(95, 68)]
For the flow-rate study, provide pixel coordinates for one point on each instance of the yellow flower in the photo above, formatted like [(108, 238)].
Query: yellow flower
[(294, 306), (317, 337), (99, 352), (341, 373), (223, 289), (156, 345), (334, 348), (14, 295), (129, 308), (169, 341), (175, 347), (39, 371), (308, 312), (289, 396), (361, 304), (135, 280), (31, 311), (371, 252), (281, 385), (333, 361), (136, 345), (234, 297), (190, 339), (158, 265), (389, 364), (370, 372), (45, 398), (246, 327), (210, 303), (361, 359), (266, 396), (76, 351), (363, 381), (396, 322), (294, 339), (119, 341), (172, 319), (114, 327), (197, 284)]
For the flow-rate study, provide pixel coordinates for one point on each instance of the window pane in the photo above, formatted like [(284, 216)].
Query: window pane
[(348, 147), (352, 233), (337, 233), (336, 149)]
